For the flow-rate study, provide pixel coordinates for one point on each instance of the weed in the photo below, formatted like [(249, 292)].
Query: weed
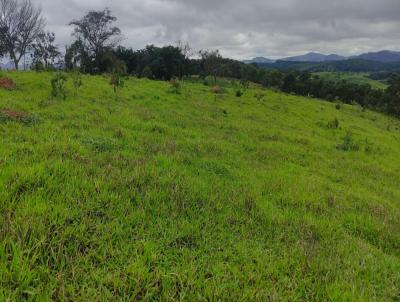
[(348, 143), (76, 80), (333, 124), (58, 88), (176, 85), (117, 81)]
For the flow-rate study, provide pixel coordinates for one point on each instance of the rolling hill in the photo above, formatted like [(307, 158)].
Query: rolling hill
[(314, 57), (146, 194)]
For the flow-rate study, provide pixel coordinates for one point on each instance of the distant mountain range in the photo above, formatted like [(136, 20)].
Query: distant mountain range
[(384, 56), (259, 60), (314, 57)]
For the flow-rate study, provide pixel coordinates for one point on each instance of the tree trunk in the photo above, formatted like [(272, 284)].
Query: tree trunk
[(15, 60), (16, 63)]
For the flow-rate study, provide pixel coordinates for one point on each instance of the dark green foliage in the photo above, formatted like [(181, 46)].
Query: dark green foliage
[(161, 63), (334, 124), (96, 36), (147, 73), (58, 88), (239, 93)]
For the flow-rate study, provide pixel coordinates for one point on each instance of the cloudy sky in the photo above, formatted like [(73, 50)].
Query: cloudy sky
[(246, 28)]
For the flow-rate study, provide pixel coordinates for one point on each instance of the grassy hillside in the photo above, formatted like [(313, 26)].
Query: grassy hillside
[(352, 77), (157, 196)]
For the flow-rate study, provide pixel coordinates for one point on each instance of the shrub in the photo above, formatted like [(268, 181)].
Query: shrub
[(76, 80), (37, 66), (175, 85), (334, 124), (58, 85), (338, 106), (217, 89), (116, 80), (239, 93), (348, 143)]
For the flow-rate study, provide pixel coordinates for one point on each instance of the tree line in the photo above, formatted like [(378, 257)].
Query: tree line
[(96, 49)]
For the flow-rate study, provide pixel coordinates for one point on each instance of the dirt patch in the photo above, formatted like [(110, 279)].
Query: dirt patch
[(216, 89), (7, 83), (16, 116)]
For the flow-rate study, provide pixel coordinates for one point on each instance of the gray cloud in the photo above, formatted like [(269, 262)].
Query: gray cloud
[(243, 29)]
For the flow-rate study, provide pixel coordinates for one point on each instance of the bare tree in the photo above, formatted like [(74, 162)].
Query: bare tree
[(20, 24), (96, 31)]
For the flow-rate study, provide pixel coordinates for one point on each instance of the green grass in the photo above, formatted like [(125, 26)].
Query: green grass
[(159, 196), (353, 77)]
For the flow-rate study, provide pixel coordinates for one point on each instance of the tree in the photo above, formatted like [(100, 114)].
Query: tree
[(44, 51), (186, 52), (76, 57), (211, 61), (20, 25), (96, 34)]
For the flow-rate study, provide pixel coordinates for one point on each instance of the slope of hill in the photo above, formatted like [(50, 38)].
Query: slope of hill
[(151, 195), (259, 60), (385, 56), (314, 57), (357, 78)]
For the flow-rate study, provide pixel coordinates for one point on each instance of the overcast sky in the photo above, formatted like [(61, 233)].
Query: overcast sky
[(246, 28)]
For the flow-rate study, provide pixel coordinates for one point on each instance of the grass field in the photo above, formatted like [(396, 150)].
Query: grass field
[(353, 77), (156, 196)]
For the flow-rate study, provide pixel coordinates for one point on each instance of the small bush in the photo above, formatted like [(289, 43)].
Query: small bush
[(334, 124), (38, 66), (338, 106), (58, 85), (76, 80), (176, 85), (117, 81), (217, 89), (348, 143), (239, 93)]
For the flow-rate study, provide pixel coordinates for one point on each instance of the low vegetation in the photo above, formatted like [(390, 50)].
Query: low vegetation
[(181, 196)]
